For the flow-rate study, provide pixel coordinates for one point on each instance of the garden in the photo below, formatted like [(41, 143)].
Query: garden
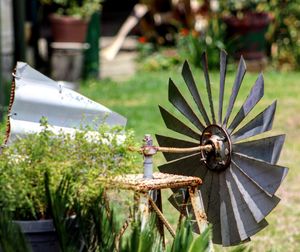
[(69, 178)]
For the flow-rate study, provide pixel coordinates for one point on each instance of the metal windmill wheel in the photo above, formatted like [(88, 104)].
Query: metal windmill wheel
[(240, 177)]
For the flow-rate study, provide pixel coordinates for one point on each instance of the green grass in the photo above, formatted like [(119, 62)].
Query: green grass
[(138, 99)]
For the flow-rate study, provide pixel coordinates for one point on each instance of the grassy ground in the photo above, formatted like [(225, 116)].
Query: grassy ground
[(137, 99)]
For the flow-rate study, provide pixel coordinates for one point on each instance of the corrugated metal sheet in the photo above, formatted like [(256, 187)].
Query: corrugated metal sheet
[(35, 96)]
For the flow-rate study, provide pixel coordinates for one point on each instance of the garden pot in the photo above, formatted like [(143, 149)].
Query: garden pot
[(247, 34), (40, 234), (68, 29)]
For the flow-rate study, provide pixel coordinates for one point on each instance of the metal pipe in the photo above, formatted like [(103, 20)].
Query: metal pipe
[(148, 162), (151, 150), (207, 147)]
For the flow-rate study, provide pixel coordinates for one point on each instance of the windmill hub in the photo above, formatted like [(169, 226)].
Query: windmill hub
[(219, 158)]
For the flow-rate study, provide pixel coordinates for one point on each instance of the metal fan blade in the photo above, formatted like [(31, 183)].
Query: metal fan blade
[(190, 82), (259, 203), (208, 85), (267, 176), (229, 230), (266, 149), (212, 190), (235, 89), (173, 142), (223, 68), (176, 125), (176, 98), (246, 223), (261, 123), (188, 166), (253, 98)]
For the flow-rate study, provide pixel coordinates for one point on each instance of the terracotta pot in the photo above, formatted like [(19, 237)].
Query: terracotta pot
[(68, 29), (248, 34)]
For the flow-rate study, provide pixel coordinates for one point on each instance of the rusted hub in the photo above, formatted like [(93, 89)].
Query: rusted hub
[(219, 158)]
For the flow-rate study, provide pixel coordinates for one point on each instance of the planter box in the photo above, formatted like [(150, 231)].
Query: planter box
[(248, 34), (68, 29), (41, 235)]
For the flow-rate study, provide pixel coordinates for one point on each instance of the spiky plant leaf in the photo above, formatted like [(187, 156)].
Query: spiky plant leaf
[(202, 242), (11, 237), (183, 238), (143, 239)]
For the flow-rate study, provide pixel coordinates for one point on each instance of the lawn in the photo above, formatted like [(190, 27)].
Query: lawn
[(138, 99)]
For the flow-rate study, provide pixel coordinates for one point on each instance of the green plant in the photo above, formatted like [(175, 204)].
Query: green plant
[(86, 157), (146, 239), (96, 228), (92, 227), (11, 236), (284, 35), (83, 9), (192, 44), (237, 7)]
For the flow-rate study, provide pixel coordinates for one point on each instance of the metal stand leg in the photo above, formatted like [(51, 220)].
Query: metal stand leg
[(160, 224), (198, 208)]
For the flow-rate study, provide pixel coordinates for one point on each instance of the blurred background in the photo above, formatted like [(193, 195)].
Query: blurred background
[(71, 40)]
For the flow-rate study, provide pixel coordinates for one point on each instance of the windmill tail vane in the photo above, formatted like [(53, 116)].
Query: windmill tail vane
[(240, 175)]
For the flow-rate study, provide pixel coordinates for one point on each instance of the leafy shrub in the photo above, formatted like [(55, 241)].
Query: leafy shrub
[(87, 158), (192, 44)]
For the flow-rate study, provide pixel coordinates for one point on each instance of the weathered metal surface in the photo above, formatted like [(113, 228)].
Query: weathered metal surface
[(189, 165), (235, 89), (177, 99), (190, 83), (261, 123), (256, 93), (208, 88), (162, 217), (259, 203), (223, 69), (35, 96), (267, 149), (198, 208), (160, 180), (176, 125), (239, 178), (170, 142), (265, 175), (148, 162), (144, 201)]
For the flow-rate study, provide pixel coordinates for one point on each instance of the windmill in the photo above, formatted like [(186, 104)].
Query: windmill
[(240, 176)]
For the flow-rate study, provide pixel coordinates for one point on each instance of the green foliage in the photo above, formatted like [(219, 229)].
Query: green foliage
[(184, 237), (161, 60), (143, 239), (202, 242), (192, 44), (88, 158), (91, 227), (236, 7), (11, 236), (185, 241), (284, 33), (83, 9)]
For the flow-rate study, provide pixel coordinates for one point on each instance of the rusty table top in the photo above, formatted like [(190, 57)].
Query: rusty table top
[(160, 180)]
